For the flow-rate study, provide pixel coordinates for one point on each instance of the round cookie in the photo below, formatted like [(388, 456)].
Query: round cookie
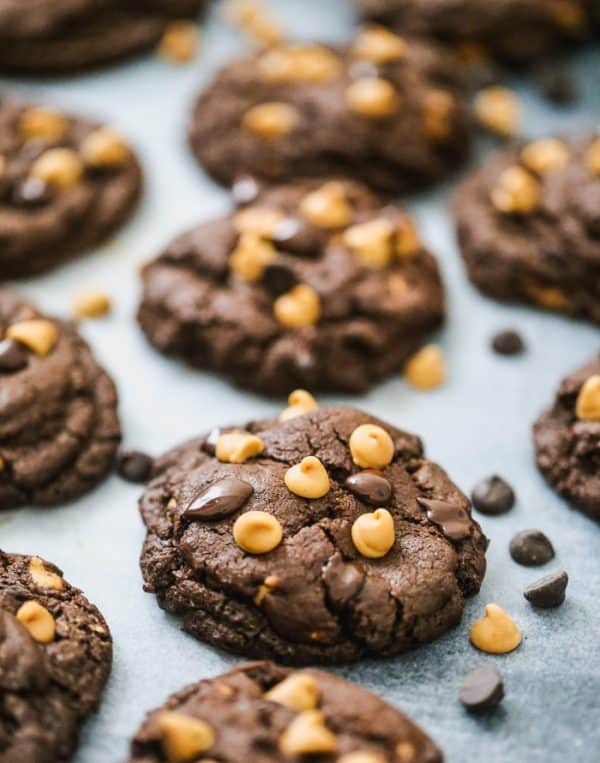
[(66, 184), (264, 713), (59, 430), (55, 658), (528, 225), (384, 110), (279, 540), (66, 36), (567, 439), (515, 31), (314, 284)]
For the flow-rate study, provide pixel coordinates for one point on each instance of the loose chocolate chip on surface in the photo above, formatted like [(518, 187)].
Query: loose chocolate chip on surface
[(453, 520), (482, 689), (370, 486), (221, 499), (531, 548), (556, 83), (508, 343), (135, 466), (548, 591), (12, 356), (493, 496)]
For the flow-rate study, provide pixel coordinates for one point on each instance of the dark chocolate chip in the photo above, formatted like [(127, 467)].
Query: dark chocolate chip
[(278, 279), (531, 548), (370, 486), (135, 466), (210, 444), (244, 190), (482, 689), (508, 343), (588, 204), (219, 500), (549, 591), (297, 236), (556, 83), (453, 520), (13, 356), (343, 581), (493, 496), (32, 192)]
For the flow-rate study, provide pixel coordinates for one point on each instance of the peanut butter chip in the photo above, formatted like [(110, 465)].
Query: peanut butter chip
[(262, 221), (307, 735), (592, 156), (362, 756), (588, 400), (549, 297), (105, 149), (371, 242), (44, 578), (373, 534), (308, 479), (179, 43), (3, 164), (545, 155), (92, 303), (426, 369), (257, 532), (373, 97), (255, 20), (251, 256), (271, 120), (238, 447), (371, 447), (38, 122), (59, 167), (307, 63), (405, 752), (438, 108), (300, 402), (517, 192), (496, 632), (408, 243), (298, 308), (377, 44), (298, 691), (497, 109), (184, 737), (327, 207), (38, 335), (38, 621)]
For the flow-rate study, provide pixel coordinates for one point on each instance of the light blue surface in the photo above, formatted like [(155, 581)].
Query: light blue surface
[(477, 424)]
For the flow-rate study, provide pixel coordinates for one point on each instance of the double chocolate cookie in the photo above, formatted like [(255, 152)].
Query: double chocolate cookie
[(529, 225), (268, 714), (66, 184), (59, 430), (326, 537), (63, 36), (55, 658), (567, 439), (313, 284), (384, 110), (516, 31)]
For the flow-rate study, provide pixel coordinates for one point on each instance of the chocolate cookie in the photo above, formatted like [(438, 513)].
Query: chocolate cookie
[(66, 184), (326, 537), (383, 110), (529, 226), (313, 284), (567, 439), (264, 713), (59, 430), (64, 36), (515, 31), (55, 657)]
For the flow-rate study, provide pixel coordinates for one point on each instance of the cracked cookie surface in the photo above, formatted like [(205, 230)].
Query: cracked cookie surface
[(55, 658), (66, 184), (314, 284), (567, 439), (255, 712), (528, 225), (314, 597), (63, 36), (59, 429), (386, 111)]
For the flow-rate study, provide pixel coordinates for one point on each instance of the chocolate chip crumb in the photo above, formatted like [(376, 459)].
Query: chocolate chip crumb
[(135, 466), (508, 343), (482, 689), (531, 548), (548, 591), (493, 496)]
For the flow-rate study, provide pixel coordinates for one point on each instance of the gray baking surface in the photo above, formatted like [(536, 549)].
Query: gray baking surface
[(478, 423)]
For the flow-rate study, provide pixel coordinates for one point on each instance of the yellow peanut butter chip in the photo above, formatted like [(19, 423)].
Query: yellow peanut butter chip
[(183, 738), (298, 307), (308, 479), (40, 122), (379, 45), (91, 303), (300, 402), (496, 632), (271, 120), (105, 149), (426, 369), (373, 97), (498, 110), (257, 532), (59, 167), (307, 734), (371, 447), (373, 534), (327, 207), (43, 577), (38, 334), (516, 192), (588, 401), (545, 155), (298, 691), (38, 621), (238, 447)]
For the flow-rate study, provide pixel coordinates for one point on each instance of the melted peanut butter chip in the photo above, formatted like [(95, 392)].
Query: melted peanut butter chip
[(38, 621), (39, 122), (300, 402), (298, 308), (238, 447), (517, 192), (58, 167), (44, 578), (180, 42), (362, 756), (327, 207), (496, 632), (377, 44), (545, 155), (251, 256), (307, 735), (262, 221), (39, 335), (373, 97), (271, 120), (308, 63), (592, 156), (497, 109), (371, 242), (587, 407), (184, 737), (298, 691), (105, 149)]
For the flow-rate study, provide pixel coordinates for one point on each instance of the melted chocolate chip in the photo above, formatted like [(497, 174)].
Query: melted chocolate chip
[(370, 486), (453, 520), (549, 591), (508, 343), (32, 192), (12, 356), (297, 236), (135, 466), (278, 279), (482, 689), (343, 581), (531, 548), (493, 496), (219, 500), (210, 444)]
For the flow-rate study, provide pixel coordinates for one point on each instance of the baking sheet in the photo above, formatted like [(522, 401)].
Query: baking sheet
[(478, 423)]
